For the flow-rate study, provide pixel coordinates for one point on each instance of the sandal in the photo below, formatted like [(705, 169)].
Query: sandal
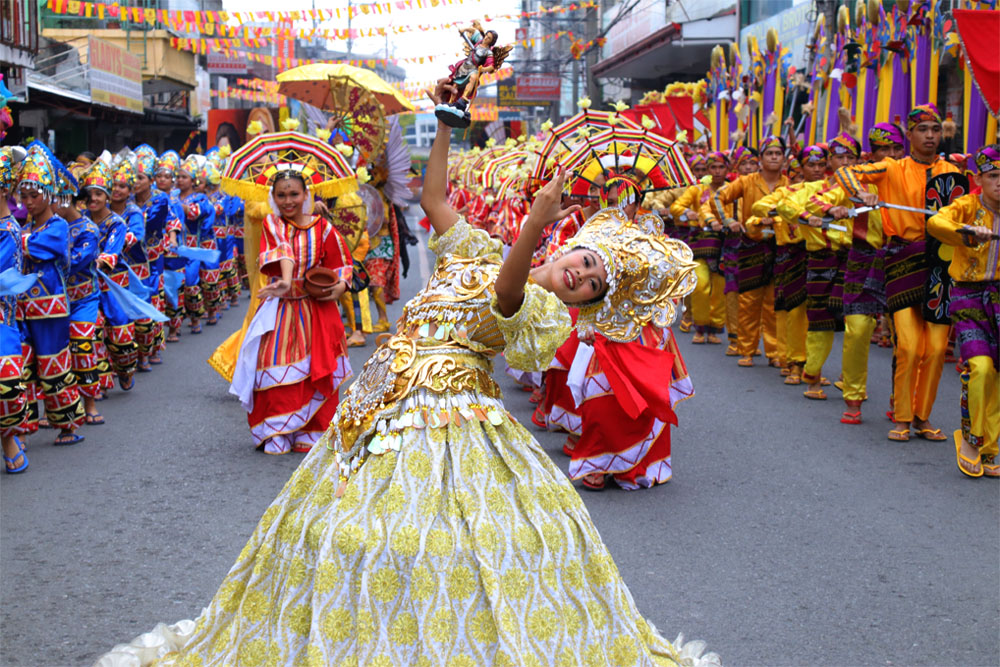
[(301, 449), (684, 327), (932, 434), (732, 350), (9, 462), (538, 418), (974, 464), (815, 394), (196, 329), (66, 439), (127, 383), (144, 367), (745, 362), (714, 340), (212, 321), (991, 466), (95, 419), (536, 396), (44, 423), (156, 359), (569, 446), (591, 485), (823, 382), (900, 434), (794, 378), (698, 339), (851, 417)]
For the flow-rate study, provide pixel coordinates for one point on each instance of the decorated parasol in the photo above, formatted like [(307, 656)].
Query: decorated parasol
[(657, 163), (311, 84), (251, 169), (501, 167), (567, 135)]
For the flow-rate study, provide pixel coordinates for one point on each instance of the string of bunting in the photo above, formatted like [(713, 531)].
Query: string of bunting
[(229, 48), (218, 22)]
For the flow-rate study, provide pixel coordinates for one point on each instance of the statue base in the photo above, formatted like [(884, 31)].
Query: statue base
[(453, 116)]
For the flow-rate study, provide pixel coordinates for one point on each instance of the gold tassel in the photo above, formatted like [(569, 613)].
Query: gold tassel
[(948, 127)]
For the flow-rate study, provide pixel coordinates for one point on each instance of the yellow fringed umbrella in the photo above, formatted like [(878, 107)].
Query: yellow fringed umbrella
[(311, 84)]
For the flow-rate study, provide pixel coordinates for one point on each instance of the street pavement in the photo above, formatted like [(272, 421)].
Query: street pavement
[(785, 538)]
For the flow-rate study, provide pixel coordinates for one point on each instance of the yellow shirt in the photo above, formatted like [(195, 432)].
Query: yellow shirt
[(749, 188), (900, 182), (970, 263), (692, 199), (807, 202), (784, 234)]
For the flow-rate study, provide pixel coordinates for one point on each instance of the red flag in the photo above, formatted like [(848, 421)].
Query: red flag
[(978, 30)]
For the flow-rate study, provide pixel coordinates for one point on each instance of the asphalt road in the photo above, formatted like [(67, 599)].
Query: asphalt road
[(785, 538)]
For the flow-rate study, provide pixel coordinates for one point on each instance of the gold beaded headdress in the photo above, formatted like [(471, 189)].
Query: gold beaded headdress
[(648, 274)]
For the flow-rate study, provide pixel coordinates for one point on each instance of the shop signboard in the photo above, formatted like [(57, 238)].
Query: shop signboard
[(115, 75), (220, 63), (538, 87)]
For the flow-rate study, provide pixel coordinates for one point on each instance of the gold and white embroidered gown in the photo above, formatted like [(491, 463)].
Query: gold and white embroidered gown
[(455, 540)]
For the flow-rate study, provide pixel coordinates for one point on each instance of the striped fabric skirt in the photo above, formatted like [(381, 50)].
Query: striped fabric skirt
[(706, 246), (825, 290), (864, 280), (730, 263), (755, 261), (905, 274), (789, 276), (975, 310)]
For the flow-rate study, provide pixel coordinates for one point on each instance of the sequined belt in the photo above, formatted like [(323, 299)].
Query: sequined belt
[(397, 368)]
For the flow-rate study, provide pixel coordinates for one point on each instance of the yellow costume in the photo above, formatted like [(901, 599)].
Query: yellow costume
[(428, 526), (756, 299), (975, 308), (708, 301), (920, 346)]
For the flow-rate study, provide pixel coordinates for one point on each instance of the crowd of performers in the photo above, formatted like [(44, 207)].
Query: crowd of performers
[(791, 246), (116, 252)]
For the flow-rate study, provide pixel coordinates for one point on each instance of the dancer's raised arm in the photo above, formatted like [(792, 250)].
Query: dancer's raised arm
[(434, 199)]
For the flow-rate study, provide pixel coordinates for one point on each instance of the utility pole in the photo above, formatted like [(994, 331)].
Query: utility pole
[(591, 32)]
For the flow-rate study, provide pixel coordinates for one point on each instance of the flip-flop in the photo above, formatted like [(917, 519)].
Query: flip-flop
[(900, 434), (173, 339), (44, 423), (144, 367), (959, 458), (129, 386), (538, 418), (155, 361), (745, 362), (10, 460), (851, 417), (74, 438), (991, 466), (93, 420), (931, 434), (567, 450), (590, 486), (196, 330), (815, 394)]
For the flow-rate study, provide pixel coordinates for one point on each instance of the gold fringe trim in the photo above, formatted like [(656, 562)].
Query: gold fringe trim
[(249, 191)]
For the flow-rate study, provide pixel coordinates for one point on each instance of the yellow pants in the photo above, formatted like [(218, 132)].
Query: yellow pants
[(857, 341), (732, 315), (708, 303), (818, 346), (981, 393), (796, 326), (920, 351), (757, 313)]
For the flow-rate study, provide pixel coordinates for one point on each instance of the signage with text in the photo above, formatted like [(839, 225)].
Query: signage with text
[(115, 75), (538, 87)]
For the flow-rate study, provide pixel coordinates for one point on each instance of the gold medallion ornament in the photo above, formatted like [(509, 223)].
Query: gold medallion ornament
[(648, 275)]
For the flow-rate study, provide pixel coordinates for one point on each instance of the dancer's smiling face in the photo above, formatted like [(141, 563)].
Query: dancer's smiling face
[(578, 277), (289, 195)]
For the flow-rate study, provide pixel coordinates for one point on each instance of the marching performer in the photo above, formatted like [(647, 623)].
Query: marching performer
[(13, 403), (920, 345), (46, 306), (972, 226)]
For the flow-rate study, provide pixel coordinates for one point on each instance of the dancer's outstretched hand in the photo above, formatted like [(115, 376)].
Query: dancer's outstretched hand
[(547, 207), (278, 288)]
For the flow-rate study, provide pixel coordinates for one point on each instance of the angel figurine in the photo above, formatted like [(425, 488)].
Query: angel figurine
[(481, 56)]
